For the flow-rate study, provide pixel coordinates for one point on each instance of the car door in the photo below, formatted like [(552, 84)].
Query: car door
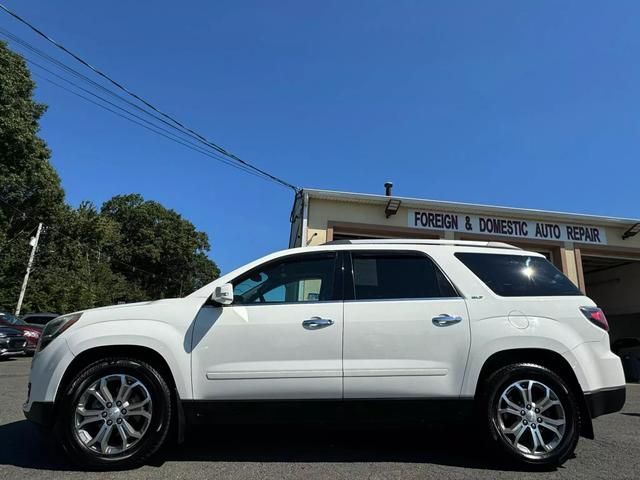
[(406, 328), (281, 338)]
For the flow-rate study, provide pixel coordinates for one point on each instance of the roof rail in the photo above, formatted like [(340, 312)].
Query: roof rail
[(416, 241)]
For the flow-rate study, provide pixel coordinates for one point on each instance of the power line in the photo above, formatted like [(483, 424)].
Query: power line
[(217, 147), (79, 75), (155, 129), (178, 138)]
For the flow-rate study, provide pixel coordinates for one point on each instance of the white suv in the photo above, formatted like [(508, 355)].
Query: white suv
[(400, 328)]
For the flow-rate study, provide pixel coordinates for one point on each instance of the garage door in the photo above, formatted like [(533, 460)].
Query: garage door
[(614, 284)]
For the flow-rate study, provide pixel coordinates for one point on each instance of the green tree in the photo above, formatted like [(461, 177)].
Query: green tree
[(130, 250), (30, 188), (168, 252), (72, 273)]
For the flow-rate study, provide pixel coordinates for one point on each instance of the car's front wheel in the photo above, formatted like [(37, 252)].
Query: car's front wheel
[(115, 413), (532, 414)]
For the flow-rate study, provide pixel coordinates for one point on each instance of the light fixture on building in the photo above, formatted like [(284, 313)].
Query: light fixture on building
[(392, 207), (393, 204), (632, 231)]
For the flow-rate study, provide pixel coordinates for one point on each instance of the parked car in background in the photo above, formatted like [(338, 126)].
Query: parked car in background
[(39, 318), (12, 342), (30, 332)]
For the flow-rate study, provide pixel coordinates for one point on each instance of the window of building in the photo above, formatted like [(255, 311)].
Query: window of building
[(302, 278), (518, 275), (383, 275)]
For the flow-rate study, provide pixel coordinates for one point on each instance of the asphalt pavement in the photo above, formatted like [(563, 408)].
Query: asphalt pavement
[(320, 452)]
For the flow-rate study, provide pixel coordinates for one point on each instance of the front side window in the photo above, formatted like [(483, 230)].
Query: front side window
[(518, 275), (303, 278), (389, 275)]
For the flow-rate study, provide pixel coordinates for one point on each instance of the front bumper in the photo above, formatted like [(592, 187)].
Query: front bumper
[(47, 369), (606, 400), (11, 353), (12, 346)]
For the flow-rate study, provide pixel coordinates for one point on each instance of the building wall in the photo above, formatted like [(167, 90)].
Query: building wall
[(325, 214)]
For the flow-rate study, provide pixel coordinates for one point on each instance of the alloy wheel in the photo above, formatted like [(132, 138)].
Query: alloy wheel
[(112, 414), (531, 417)]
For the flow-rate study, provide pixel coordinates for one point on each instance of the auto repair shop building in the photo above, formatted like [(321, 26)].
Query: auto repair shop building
[(601, 255)]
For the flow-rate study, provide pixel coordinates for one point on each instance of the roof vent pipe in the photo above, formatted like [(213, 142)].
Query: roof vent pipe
[(387, 188)]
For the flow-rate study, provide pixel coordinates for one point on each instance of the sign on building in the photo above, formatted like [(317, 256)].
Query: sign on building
[(518, 228)]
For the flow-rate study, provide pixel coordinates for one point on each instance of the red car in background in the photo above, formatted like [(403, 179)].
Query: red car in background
[(31, 332)]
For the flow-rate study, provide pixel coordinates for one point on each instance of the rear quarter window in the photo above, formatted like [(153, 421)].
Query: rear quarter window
[(518, 275)]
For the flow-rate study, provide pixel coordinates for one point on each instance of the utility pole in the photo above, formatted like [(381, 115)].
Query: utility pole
[(34, 247)]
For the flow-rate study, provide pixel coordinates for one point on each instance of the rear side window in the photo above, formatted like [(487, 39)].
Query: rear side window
[(383, 275), (518, 275)]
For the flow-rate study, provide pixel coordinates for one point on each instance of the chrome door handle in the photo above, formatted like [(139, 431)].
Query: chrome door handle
[(445, 320), (316, 323)]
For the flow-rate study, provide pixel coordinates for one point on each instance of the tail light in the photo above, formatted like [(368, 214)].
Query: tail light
[(595, 316)]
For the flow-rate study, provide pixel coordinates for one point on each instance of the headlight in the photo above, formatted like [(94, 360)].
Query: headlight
[(30, 333), (55, 327)]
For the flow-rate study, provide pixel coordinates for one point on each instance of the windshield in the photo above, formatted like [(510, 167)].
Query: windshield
[(11, 319)]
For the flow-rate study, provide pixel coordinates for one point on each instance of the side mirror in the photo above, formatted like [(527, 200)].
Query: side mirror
[(223, 294)]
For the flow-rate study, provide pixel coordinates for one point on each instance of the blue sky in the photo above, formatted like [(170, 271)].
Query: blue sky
[(527, 104)]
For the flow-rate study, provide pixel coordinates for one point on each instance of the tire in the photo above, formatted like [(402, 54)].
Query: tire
[(520, 433), (130, 382)]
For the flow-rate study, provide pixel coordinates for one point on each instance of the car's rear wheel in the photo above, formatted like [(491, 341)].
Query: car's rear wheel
[(532, 414), (115, 413)]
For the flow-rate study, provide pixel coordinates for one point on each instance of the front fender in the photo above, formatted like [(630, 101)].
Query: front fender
[(163, 338)]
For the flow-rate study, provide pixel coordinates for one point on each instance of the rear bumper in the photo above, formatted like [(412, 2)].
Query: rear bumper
[(606, 400), (596, 367), (41, 413)]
